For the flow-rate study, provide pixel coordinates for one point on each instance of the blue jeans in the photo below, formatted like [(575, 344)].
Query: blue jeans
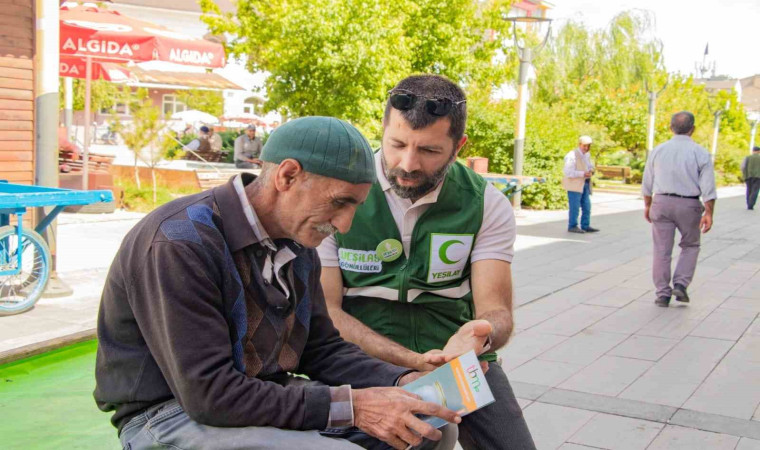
[(166, 425), (582, 201)]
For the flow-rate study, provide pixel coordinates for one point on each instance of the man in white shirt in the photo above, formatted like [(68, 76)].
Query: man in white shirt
[(424, 273), (577, 182)]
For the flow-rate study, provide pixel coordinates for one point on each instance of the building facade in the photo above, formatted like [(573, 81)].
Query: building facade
[(185, 16)]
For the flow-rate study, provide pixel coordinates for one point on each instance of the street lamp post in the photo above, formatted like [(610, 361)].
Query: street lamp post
[(716, 128), (652, 109), (653, 93), (526, 54)]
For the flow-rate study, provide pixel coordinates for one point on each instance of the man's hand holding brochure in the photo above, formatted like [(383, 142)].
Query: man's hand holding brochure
[(459, 385)]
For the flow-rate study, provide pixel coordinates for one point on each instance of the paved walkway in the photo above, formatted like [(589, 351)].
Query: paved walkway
[(594, 363)]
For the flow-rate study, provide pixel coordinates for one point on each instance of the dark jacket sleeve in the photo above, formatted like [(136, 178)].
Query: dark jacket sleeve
[(177, 303), (333, 361)]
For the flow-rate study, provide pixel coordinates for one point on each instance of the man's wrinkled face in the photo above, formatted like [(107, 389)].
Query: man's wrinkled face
[(319, 207), (585, 148), (251, 133), (416, 161)]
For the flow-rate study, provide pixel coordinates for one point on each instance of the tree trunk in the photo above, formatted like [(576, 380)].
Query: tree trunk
[(153, 177), (137, 174)]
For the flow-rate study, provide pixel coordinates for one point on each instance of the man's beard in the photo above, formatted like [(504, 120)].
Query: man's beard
[(427, 184)]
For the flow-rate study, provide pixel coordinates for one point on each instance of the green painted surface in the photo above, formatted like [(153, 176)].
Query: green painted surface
[(46, 402)]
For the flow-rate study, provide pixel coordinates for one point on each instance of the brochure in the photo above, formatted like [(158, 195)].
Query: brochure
[(459, 385)]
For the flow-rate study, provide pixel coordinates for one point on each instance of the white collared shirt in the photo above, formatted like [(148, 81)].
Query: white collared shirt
[(569, 170), (276, 257), (495, 240)]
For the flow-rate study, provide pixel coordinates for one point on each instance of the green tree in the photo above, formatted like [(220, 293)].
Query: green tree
[(104, 94), (340, 57), (211, 102), (146, 134)]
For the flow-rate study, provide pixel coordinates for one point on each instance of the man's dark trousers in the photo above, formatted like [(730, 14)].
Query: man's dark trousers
[(753, 187), (501, 424)]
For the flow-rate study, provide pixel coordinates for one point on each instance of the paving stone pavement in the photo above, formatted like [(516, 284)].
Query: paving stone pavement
[(596, 364), (593, 362)]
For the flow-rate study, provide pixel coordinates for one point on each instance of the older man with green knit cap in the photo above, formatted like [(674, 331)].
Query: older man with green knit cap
[(213, 301)]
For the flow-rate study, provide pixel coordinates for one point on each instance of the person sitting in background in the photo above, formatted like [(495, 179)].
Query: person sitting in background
[(247, 149), (215, 140), (201, 143)]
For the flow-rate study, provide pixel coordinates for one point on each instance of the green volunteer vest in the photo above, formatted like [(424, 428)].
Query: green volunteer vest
[(421, 301), (752, 170)]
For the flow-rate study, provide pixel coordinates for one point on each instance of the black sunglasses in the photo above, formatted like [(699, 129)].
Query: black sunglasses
[(404, 101)]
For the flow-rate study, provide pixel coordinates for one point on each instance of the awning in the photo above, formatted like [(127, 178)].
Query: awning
[(180, 80)]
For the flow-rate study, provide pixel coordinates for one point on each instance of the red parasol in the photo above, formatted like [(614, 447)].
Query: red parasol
[(91, 34), (108, 36), (77, 68)]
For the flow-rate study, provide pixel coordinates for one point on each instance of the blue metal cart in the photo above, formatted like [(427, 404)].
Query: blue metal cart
[(24, 255)]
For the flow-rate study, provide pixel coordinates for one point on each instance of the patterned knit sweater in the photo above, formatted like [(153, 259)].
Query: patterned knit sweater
[(186, 314)]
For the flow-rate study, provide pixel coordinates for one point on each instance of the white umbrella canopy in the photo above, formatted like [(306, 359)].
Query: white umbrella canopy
[(195, 117)]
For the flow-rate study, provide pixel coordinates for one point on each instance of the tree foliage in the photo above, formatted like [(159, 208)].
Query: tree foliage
[(104, 94), (146, 135), (211, 102), (340, 57)]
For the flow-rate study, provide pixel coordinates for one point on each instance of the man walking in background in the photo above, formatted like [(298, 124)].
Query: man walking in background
[(751, 175), (577, 182), (677, 173)]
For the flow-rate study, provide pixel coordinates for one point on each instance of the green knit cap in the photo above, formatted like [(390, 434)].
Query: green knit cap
[(323, 145)]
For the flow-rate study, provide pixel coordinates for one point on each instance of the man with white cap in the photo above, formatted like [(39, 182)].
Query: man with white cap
[(577, 182)]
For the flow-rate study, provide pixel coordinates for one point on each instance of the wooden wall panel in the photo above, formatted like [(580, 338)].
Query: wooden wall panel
[(16, 94), (8, 155), (14, 83), (18, 74), (17, 34), (13, 135), (16, 125), (10, 114), (17, 146), (16, 105)]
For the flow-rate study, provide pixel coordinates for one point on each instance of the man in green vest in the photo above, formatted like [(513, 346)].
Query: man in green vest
[(751, 174), (424, 273)]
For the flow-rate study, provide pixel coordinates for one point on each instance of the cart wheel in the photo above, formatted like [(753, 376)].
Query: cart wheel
[(20, 291)]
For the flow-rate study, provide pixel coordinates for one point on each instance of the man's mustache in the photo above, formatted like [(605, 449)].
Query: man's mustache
[(326, 229), (401, 173)]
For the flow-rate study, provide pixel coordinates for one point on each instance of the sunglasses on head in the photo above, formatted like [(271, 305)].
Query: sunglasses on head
[(405, 100)]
